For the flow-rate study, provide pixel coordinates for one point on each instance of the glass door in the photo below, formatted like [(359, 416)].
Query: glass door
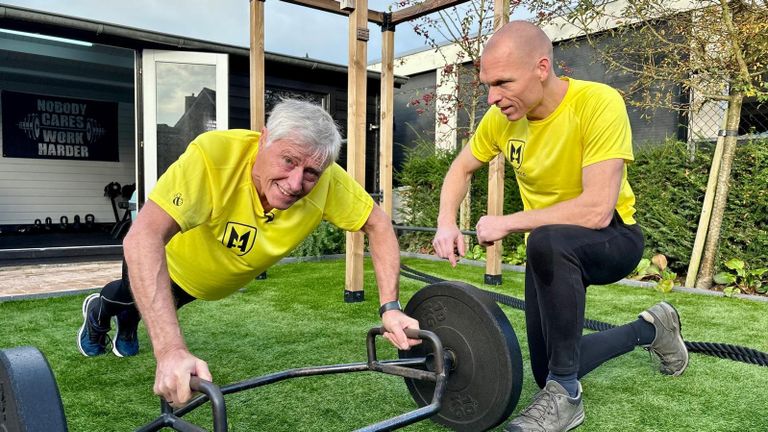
[(184, 94)]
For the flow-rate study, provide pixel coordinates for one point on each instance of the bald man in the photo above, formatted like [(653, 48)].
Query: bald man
[(568, 142)]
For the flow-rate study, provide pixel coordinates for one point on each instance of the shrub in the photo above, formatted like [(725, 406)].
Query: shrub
[(670, 191), (326, 239)]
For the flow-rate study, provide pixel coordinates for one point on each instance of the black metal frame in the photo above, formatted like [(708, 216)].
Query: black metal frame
[(440, 364)]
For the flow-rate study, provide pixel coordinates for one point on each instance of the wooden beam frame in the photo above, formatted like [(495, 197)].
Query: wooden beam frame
[(356, 128), (425, 8), (257, 76), (496, 175), (386, 120), (359, 16), (334, 7)]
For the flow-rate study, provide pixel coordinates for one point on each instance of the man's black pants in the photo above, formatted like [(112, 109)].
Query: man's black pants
[(562, 260), (117, 298)]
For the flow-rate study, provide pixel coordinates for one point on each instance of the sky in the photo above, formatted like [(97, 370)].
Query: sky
[(289, 29)]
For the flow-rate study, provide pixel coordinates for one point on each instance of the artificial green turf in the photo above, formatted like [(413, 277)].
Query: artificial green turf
[(296, 318)]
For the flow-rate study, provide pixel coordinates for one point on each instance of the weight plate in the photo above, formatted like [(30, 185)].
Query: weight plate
[(29, 397), (485, 380)]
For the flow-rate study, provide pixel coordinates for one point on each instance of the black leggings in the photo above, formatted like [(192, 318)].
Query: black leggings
[(562, 261), (117, 298)]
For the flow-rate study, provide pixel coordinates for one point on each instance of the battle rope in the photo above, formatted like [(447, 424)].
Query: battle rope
[(724, 351)]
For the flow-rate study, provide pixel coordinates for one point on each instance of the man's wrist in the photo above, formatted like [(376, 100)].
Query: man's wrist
[(388, 306), (445, 222)]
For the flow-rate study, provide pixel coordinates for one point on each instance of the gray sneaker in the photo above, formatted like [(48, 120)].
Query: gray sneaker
[(552, 410), (668, 344)]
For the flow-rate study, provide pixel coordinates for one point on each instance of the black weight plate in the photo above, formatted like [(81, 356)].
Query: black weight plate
[(486, 379), (29, 397)]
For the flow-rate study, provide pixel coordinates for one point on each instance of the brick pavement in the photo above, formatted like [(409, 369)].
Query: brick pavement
[(42, 279)]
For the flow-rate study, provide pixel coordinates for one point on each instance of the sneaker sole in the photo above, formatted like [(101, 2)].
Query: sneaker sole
[(576, 422), (114, 344), (86, 302), (679, 337)]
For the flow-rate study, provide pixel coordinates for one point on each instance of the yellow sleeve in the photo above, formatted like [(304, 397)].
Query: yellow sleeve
[(608, 134), (348, 204), (184, 190), (483, 143)]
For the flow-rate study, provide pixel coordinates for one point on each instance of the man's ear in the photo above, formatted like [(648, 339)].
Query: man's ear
[(544, 68), (263, 138)]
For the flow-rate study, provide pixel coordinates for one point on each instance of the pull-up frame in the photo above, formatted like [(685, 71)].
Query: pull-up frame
[(359, 16)]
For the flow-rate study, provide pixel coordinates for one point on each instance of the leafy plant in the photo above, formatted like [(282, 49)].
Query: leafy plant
[(477, 253), (741, 279), (516, 256), (655, 269)]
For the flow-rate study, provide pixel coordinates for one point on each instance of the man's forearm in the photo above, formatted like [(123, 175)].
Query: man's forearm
[(151, 287), (385, 253), (454, 189)]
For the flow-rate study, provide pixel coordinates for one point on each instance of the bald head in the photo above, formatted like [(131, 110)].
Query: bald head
[(520, 40), (516, 65)]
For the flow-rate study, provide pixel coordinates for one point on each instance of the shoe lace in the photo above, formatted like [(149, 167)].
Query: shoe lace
[(98, 335), (654, 358), (540, 407)]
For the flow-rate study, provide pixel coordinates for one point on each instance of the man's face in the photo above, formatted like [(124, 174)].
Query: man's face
[(284, 172), (514, 83)]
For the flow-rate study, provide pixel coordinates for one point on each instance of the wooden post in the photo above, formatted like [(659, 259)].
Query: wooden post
[(706, 210), (257, 65), (496, 175), (386, 124), (356, 128)]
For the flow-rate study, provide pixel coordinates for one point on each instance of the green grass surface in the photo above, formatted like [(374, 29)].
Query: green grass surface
[(296, 318)]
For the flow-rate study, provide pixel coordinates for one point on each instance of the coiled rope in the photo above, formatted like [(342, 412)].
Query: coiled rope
[(715, 349)]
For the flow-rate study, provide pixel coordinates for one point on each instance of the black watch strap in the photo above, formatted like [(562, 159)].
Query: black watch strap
[(388, 306)]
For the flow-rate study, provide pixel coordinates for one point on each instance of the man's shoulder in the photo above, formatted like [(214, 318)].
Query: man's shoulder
[(590, 89), (335, 174), (226, 143), (232, 136)]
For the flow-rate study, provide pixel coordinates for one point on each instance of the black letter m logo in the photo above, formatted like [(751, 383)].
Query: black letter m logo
[(515, 151), (239, 236)]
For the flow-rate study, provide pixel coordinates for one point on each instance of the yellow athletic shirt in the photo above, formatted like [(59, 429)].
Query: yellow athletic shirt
[(590, 125), (226, 239)]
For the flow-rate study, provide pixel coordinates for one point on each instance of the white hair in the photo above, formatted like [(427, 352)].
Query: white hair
[(307, 124)]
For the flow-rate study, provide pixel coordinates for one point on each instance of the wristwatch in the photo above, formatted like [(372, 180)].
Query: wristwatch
[(388, 306)]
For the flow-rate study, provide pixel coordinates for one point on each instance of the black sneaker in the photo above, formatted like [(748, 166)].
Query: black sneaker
[(551, 410), (126, 343), (92, 338)]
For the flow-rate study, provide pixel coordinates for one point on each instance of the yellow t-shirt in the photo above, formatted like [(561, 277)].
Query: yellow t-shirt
[(590, 125), (226, 239)]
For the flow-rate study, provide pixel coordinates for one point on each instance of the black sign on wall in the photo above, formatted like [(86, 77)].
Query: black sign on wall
[(51, 127)]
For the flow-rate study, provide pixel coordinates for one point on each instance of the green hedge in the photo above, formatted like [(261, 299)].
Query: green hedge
[(669, 190)]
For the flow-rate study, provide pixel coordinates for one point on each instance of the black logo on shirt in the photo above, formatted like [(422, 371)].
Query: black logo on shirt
[(177, 200), (515, 152), (239, 236)]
